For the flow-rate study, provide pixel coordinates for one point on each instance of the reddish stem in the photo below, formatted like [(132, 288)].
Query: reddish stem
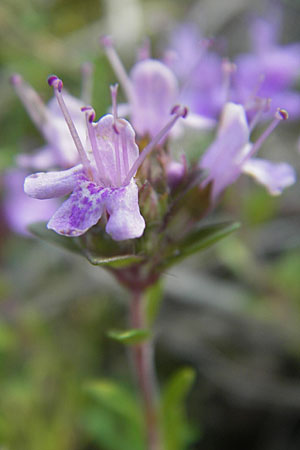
[(144, 367)]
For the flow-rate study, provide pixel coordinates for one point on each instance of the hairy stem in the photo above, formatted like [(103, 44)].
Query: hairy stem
[(145, 373)]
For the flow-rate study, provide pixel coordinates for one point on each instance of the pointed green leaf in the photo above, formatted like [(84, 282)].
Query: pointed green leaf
[(176, 430), (197, 240), (112, 261), (130, 337)]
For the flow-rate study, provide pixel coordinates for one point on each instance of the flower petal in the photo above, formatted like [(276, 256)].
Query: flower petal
[(125, 221), (57, 133), (199, 122), (21, 210), (234, 120), (80, 211), (156, 92), (44, 185), (224, 158), (274, 176), (42, 159), (264, 33), (108, 142)]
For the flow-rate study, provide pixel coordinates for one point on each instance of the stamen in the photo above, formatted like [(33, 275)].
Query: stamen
[(117, 66), (90, 116), (228, 68), (169, 57), (263, 106), (124, 150), (144, 51), (249, 101), (178, 112), (57, 85), (281, 114), (114, 93), (117, 157), (204, 45), (87, 70), (32, 102)]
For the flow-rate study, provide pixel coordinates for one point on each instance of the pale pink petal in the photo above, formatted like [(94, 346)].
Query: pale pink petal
[(114, 146), (223, 159), (21, 210), (274, 176), (234, 115), (125, 220), (42, 159), (73, 104), (199, 122), (44, 185), (60, 140), (156, 92)]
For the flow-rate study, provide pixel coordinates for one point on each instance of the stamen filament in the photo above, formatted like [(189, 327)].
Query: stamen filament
[(144, 51), (124, 150), (263, 107), (57, 85), (32, 102), (90, 116), (172, 56), (281, 114), (178, 112), (227, 70), (117, 157), (87, 70), (114, 93), (118, 67)]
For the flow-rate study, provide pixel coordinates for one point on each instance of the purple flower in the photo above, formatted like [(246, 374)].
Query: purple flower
[(203, 73), (232, 153), (60, 149), (21, 210), (103, 182), (270, 71), (151, 90)]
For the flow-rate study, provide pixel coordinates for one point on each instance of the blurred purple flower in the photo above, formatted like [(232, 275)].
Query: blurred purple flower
[(232, 153), (21, 210), (151, 90), (270, 71), (60, 149), (203, 73), (104, 179)]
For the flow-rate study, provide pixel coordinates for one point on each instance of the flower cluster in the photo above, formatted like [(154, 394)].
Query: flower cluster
[(120, 174)]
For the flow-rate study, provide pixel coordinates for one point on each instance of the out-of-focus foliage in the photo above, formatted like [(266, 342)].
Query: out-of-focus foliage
[(232, 313)]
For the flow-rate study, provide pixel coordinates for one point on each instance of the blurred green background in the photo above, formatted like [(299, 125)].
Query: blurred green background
[(232, 313)]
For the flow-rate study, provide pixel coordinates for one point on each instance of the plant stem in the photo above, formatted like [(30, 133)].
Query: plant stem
[(145, 372)]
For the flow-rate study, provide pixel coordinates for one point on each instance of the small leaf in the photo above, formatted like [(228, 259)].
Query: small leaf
[(177, 432), (40, 230), (197, 240), (130, 337), (112, 261)]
